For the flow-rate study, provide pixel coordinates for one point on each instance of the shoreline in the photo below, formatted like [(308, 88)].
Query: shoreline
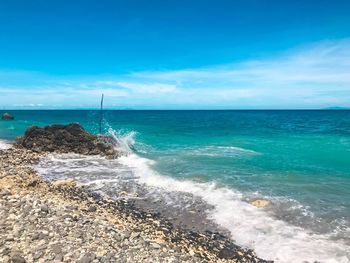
[(154, 237)]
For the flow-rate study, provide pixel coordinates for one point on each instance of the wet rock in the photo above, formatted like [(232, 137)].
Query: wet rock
[(70, 138), (7, 117), (226, 254)]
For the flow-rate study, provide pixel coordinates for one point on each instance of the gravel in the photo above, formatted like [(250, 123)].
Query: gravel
[(41, 222)]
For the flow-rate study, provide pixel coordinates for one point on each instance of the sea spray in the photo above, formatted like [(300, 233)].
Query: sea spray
[(123, 143)]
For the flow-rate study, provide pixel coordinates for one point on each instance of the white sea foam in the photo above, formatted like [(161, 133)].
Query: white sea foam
[(123, 143), (251, 227), (234, 148), (219, 151), (5, 145)]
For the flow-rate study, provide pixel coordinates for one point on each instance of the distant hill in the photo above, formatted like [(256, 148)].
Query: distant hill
[(336, 108)]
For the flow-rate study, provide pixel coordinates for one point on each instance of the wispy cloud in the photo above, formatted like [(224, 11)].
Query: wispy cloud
[(152, 88), (309, 77)]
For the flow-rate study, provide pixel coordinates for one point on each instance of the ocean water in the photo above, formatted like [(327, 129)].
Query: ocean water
[(219, 161)]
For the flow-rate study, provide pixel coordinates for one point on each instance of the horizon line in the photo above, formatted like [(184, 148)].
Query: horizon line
[(199, 109)]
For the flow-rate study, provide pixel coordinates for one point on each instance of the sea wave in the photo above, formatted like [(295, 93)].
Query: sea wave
[(252, 227), (249, 226)]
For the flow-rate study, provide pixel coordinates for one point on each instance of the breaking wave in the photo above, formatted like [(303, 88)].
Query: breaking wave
[(271, 238)]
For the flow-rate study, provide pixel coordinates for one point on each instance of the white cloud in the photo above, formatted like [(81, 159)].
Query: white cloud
[(148, 88), (308, 77), (321, 64), (98, 92)]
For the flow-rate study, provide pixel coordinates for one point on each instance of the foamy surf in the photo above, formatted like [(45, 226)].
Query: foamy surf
[(249, 226), (270, 238), (5, 145), (219, 151)]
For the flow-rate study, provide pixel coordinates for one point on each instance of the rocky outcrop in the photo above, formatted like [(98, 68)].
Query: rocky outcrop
[(70, 138), (7, 117)]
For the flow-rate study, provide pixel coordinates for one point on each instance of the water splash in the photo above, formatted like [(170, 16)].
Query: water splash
[(124, 143)]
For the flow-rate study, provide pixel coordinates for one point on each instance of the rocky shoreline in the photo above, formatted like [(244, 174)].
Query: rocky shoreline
[(43, 221)]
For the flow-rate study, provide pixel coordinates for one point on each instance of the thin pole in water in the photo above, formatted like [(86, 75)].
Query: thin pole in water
[(101, 114)]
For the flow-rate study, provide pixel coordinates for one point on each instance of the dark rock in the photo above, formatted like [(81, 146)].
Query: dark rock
[(226, 254), (65, 139), (6, 251), (92, 208), (4, 193), (33, 183), (44, 208), (18, 259), (7, 117), (35, 236), (10, 238)]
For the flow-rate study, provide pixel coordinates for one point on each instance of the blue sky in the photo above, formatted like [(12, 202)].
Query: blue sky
[(175, 54)]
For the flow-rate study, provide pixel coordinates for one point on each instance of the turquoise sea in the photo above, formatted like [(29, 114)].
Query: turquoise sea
[(299, 160)]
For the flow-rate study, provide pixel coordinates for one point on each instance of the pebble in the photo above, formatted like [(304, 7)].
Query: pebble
[(18, 259), (58, 258), (44, 208), (87, 258), (4, 193), (38, 255), (92, 209), (134, 235), (155, 245)]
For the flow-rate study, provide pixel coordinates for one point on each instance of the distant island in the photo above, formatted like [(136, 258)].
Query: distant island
[(336, 108)]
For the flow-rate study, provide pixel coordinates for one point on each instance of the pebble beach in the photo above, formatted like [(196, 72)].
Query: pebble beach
[(44, 221)]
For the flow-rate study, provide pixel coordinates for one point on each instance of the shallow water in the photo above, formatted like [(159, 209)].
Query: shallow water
[(300, 160)]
